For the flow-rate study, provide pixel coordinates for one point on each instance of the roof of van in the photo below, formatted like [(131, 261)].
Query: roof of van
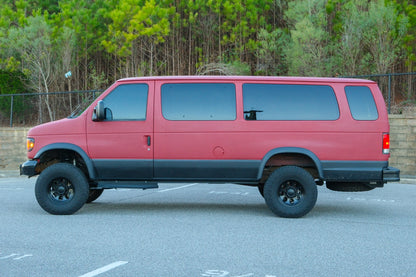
[(249, 78)]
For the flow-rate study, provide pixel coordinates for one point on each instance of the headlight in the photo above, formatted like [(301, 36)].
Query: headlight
[(30, 144)]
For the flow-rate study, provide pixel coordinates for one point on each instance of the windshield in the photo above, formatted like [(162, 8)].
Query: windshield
[(82, 106)]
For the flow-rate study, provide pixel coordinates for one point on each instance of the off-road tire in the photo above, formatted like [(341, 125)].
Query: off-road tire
[(290, 191), (61, 189)]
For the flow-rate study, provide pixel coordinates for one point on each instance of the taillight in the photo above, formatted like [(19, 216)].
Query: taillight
[(386, 144), (30, 144)]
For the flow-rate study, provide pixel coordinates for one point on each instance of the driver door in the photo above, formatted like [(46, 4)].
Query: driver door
[(121, 145)]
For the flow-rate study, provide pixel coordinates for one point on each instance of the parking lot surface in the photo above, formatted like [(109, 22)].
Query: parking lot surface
[(208, 230)]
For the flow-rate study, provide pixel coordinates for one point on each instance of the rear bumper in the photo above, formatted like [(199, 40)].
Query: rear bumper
[(391, 174), (28, 168)]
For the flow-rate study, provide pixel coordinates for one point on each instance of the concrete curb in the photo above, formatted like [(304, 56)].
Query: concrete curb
[(408, 180), (10, 174)]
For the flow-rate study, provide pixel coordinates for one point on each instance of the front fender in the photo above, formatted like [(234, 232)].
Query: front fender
[(72, 147)]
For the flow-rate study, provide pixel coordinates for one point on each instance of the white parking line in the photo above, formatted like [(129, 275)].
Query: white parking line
[(104, 269), (24, 256), (9, 256), (181, 187)]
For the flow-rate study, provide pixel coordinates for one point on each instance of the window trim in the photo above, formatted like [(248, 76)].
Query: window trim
[(235, 106), (292, 84), (146, 106), (372, 97)]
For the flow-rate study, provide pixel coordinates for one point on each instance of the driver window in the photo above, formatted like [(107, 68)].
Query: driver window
[(126, 103)]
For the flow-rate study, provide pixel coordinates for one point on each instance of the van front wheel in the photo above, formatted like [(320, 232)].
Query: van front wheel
[(290, 191), (94, 194), (61, 189)]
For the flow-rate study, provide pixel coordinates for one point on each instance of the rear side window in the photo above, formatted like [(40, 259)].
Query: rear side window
[(289, 102), (127, 102), (361, 102), (201, 101)]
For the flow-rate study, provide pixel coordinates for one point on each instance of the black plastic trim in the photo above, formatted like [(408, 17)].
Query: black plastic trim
[(207, 170), (123, 169), (391, 174), (28, 168), (354, 171), (290, 150), (73, 147), (126, 184)]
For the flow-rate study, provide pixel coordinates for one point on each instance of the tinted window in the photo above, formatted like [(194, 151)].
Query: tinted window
[(361, 102), (127, 102), (289, 102), (199, 101)]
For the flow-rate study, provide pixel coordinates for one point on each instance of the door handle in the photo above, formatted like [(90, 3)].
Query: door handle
[(148, 141)]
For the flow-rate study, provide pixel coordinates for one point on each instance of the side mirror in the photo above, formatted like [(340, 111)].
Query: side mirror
[(99, 111)]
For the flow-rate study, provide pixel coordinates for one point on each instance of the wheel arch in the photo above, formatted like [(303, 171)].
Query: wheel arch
[(291, 151), (59, 147)]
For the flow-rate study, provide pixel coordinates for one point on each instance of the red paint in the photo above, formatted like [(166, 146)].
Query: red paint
[(340, 140)]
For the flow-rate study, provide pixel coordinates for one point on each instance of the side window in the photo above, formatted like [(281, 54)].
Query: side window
[(361, 102), (199, 101), (289, 102), (127, 102)]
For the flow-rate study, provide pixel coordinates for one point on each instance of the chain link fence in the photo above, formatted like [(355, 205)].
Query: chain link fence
[(29, 109), (399, 90)]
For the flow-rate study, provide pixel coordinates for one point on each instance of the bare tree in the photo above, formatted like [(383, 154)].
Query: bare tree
[(34, 46)]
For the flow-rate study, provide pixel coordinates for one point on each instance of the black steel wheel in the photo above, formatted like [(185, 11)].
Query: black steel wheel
[(94, 194), (61, 189), (290, 191)]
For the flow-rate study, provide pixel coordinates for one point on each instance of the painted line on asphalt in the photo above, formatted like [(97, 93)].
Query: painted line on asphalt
[(181, 187), (104, 269), (24, 256), (9, 256)]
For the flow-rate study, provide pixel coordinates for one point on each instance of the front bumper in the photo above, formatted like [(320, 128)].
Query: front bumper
[(391, 174), (28, 168)]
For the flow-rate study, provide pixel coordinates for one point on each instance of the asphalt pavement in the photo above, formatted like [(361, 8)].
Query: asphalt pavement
[(208, 230)]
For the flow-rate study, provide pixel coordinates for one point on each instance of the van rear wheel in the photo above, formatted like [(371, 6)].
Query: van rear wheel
[(61, 189), (290, 191)]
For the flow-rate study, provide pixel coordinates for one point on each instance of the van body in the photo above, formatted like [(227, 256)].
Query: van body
[(283, 134)]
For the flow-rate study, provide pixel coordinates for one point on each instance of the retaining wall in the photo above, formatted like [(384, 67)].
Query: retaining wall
[(402, 141), (403, 144), (12, 147)]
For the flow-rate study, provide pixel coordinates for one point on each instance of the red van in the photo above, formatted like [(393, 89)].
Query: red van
[(285, 135)]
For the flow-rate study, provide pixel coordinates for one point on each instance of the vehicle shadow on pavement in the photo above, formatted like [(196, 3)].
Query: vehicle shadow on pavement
[(176, 207), (334, 210)]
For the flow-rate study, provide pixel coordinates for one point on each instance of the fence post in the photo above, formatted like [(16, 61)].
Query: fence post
[(11, 111), (389, 97)]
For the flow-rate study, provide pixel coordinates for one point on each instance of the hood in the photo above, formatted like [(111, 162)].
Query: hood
[(59, 127)]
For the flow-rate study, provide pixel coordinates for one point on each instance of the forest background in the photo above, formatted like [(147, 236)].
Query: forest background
[(101, 41)]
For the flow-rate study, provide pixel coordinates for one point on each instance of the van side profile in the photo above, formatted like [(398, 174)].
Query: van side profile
[(285, 135)]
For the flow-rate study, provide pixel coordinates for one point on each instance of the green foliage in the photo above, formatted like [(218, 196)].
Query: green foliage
[(270, 52), (104, 40), (308, 51), (87, 19), (132, 19), (118, 38), (409, 42), (384, 32), (11, 82), (32, 44)]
